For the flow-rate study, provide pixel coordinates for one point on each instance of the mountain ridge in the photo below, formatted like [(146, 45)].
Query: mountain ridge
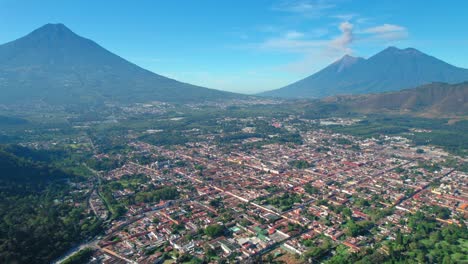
[(54, 64), (391, 69)]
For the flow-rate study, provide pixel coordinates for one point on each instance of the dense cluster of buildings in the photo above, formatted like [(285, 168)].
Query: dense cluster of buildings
[(277, 197)]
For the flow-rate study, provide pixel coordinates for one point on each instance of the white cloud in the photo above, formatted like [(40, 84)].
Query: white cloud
[(387, 32), (385, 28), (315, 51), (318, 47), (299, 42), (321, 52)]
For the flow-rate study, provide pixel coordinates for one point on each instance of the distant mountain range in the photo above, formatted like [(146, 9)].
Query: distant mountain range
[(431, 100), (389, 70), (55, 65)]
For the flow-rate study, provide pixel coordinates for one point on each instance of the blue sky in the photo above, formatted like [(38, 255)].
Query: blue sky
[(248, 45)]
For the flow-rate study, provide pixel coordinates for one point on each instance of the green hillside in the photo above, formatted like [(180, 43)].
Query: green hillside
[(41, 217)]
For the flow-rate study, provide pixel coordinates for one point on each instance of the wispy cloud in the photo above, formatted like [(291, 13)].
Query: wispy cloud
[(286, 43), (308, 8), (316, 51), (293, 34), (387, 32), (301, 42), (345, 17), (341, 33), (305, 42)]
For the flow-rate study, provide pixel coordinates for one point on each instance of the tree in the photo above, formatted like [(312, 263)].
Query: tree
[(310, 189), (214, 231), (347, 212), (352, 229), (210, 252), (447, 260), (399, 238), (421, 257), (269, 258)]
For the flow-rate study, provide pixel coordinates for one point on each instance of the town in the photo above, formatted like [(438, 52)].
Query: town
[(254, 200)]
